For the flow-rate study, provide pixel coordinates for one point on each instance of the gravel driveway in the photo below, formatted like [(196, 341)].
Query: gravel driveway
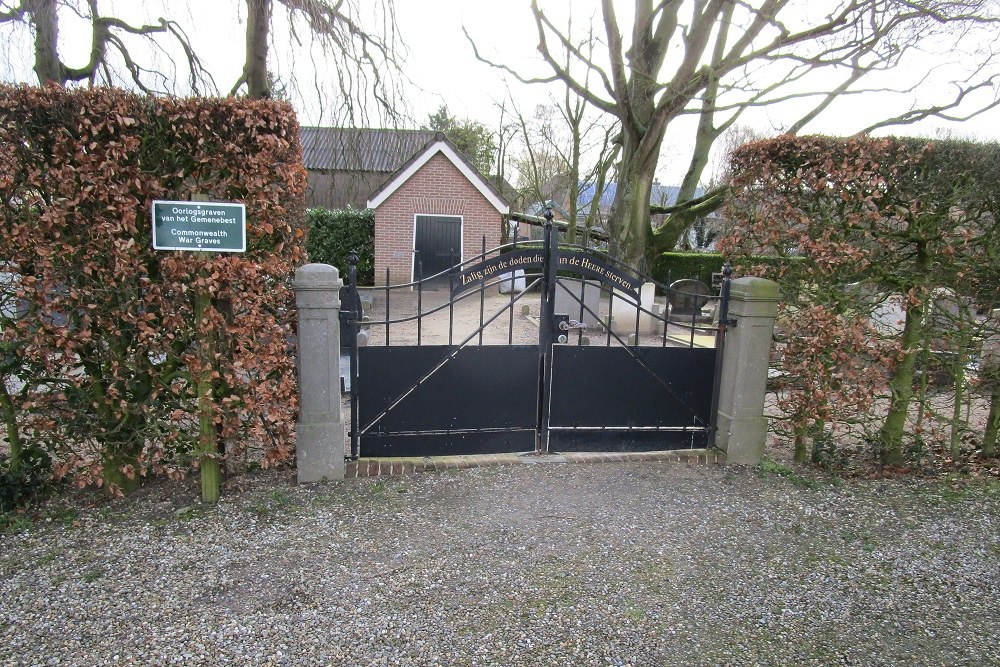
[(605, 564)]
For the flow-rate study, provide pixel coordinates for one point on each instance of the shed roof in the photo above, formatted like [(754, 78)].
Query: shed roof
[(359, 149)]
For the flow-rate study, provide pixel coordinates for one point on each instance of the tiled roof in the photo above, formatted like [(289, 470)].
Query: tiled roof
[(360, 149)]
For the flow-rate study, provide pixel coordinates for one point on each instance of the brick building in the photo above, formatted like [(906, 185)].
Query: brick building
[(433, 213)]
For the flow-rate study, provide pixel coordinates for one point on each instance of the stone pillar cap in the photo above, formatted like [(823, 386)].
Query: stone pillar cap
[(317, 276), (755, 289)]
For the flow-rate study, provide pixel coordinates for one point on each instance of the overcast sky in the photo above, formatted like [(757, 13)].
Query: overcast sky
[(441, 65)]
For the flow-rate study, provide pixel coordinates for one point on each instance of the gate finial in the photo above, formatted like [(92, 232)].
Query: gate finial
[(548, 215)]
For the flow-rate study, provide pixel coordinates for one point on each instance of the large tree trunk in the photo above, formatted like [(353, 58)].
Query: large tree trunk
[(255, 71), (629, 222), (48, 68)]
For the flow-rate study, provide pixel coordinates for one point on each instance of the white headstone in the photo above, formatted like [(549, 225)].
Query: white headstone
[(512, 281), (624, 311)]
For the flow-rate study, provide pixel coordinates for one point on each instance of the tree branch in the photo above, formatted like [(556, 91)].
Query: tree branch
[(505, 68), (938, 111), (364, 63), (15, 13), (619, 89), (856, 73), (560, 73), (697, 207)]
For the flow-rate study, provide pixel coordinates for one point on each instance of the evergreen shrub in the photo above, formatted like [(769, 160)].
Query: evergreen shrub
[(334, 234)]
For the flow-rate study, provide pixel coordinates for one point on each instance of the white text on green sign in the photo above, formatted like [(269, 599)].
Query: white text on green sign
[(199, 226)]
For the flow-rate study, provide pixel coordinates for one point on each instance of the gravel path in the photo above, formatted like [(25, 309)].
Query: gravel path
[(612, 564)]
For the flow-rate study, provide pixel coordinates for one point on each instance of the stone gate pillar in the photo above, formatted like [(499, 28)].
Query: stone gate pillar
[(753, 303), (319, 439)]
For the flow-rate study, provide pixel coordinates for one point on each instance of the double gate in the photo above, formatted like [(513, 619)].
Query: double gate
[(610, 386)]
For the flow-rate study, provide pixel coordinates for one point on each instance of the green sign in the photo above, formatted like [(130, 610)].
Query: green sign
[(199, 226)]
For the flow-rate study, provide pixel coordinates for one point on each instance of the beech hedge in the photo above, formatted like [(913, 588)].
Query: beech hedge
[(886, 251), (102, 363)]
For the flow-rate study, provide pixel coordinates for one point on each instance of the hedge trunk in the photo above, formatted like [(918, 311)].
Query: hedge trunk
[(992, 424), (901, 385), (208, 451), (9, 417), (801, 447)]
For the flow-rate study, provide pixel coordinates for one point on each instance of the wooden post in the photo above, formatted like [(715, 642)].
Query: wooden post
[(208, 446)]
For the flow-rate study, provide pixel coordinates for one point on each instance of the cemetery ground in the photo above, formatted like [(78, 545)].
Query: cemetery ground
[(548, 564)]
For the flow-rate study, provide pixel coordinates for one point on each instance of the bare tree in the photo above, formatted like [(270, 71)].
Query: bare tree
[(557, 143), (363, 61), (505, 133), (566, 153), (111, 58), (715, 59), (355, 65), (541, 174)]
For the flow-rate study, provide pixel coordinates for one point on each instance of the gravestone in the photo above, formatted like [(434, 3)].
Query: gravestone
[(568, 297), (512, 282), (624, 311), (686, 298), (889, 315)]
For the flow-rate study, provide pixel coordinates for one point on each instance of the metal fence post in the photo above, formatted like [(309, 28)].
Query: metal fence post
[(546, 324), (319, 440), (720, 348)]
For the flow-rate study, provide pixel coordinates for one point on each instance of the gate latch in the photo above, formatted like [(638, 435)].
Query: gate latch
[(563, 324), (567, 325)]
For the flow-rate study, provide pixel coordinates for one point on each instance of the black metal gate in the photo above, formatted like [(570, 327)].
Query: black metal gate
[(612, 386)]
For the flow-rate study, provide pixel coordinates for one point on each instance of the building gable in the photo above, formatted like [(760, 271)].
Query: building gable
[(441, 146)]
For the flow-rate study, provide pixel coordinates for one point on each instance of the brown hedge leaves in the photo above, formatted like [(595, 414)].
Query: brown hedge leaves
[(107, 350), (869, 230)]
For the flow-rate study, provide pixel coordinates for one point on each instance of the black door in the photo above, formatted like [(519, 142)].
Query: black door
[(438, 244)]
